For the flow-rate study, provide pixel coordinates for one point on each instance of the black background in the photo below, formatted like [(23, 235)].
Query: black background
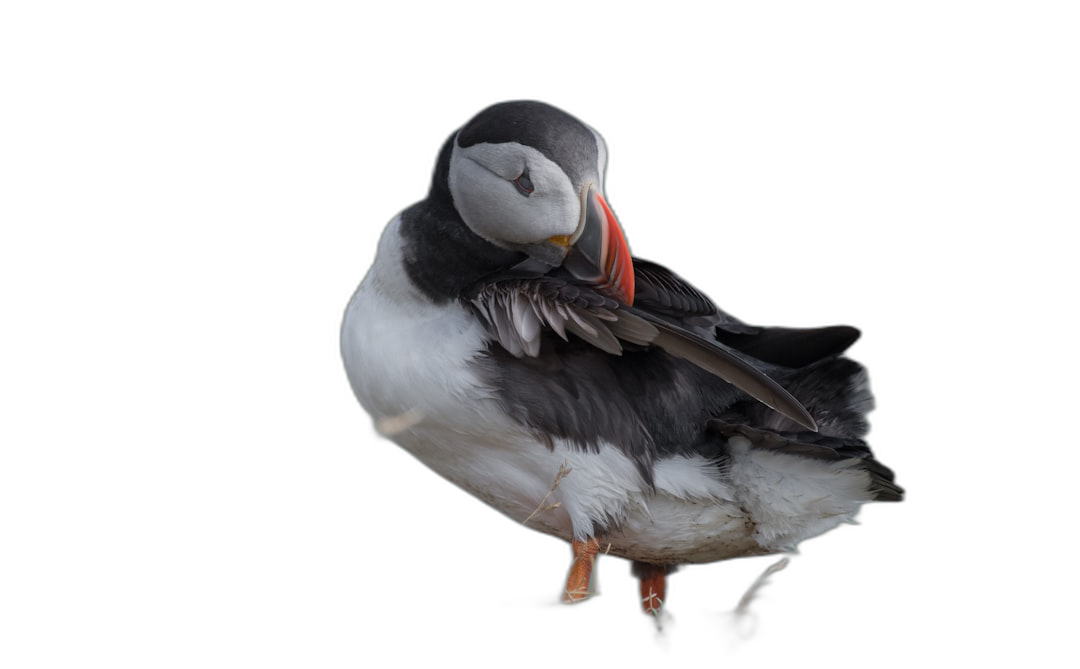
[(802, 195)]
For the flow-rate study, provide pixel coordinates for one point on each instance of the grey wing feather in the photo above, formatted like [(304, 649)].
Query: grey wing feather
[(671, 298), (604, 323), (516, 311), (664, 293), (728, 365)]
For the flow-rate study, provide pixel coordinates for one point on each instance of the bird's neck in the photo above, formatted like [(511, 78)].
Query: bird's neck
[(442, 256)]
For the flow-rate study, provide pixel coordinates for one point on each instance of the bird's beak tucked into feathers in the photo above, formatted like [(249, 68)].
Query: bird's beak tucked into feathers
[(598, 252)]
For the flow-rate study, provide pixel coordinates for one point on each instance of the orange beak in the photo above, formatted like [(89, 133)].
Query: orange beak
[(600, 254)]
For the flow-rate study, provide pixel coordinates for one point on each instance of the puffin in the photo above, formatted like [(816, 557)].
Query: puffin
[(507, 338)]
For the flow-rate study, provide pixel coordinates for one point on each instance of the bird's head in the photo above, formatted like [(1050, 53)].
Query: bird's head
[(528, 177)]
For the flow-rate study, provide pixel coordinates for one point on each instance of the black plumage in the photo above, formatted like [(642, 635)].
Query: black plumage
[(651, 404)]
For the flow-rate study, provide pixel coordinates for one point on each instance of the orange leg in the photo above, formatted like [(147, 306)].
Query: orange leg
[(577, 584), (653, 579)]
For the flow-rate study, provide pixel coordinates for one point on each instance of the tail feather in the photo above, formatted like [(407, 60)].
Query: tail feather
[(836, 391), (819, 447)]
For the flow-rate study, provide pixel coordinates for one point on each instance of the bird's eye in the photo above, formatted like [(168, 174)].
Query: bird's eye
[(524, 183)]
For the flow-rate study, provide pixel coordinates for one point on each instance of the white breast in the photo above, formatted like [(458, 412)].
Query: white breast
[(406, 355)]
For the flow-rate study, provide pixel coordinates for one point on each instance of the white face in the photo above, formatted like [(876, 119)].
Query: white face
[(511, 194)]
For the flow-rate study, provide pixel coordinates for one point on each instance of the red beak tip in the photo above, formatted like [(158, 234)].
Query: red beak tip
[(618, 261)]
